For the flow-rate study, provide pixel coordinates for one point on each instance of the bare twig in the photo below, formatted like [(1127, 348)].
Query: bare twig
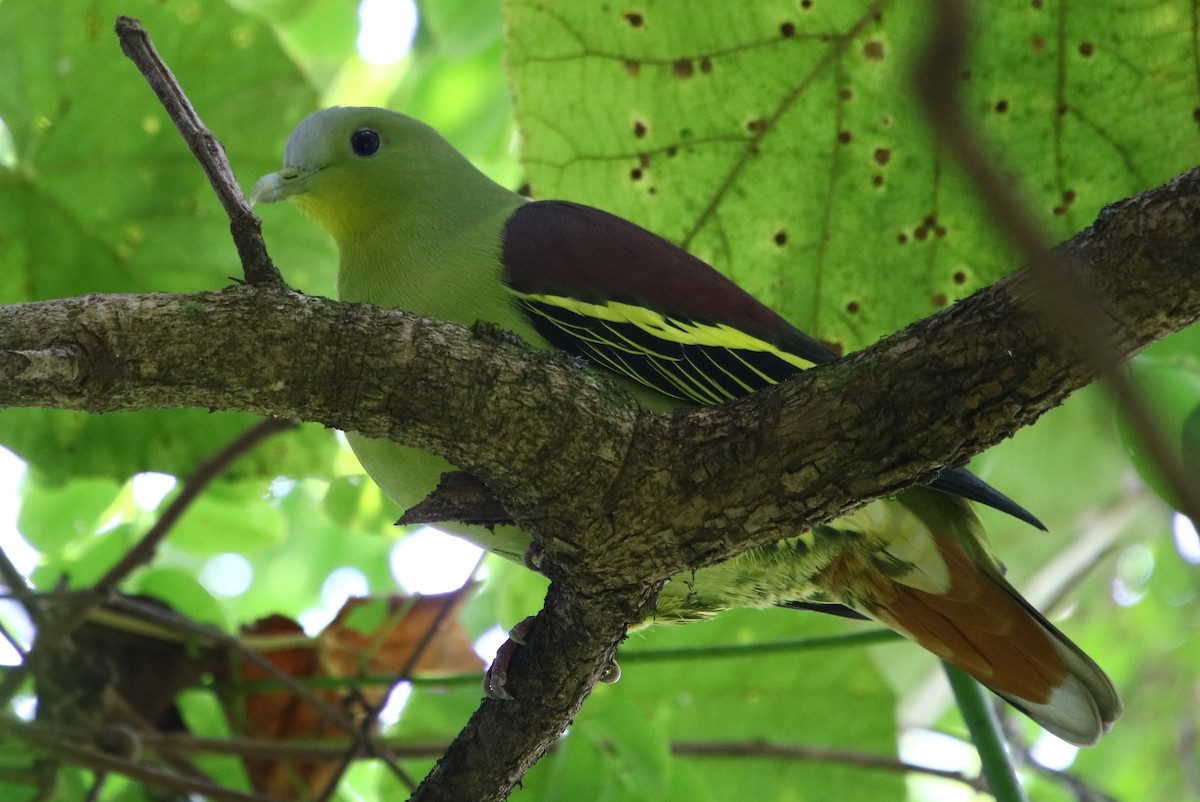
[(206, 471), (54, 630), (719, 650), (171, 618), (276, 750), (243, 223), (53, 741), (366, 744), (820, 754)]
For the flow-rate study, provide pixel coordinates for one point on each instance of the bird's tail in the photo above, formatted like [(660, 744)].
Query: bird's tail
[(962, 609)]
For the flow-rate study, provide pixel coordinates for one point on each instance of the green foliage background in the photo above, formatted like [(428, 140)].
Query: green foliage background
[(777, 139)]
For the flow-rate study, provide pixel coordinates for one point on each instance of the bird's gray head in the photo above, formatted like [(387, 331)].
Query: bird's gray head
[(345, 164)]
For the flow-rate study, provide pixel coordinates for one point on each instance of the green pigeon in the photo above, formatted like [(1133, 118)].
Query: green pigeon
[(418, 227)]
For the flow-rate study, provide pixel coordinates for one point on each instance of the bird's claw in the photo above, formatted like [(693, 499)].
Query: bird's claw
[(495, 681), (532, 558), (496, 678)]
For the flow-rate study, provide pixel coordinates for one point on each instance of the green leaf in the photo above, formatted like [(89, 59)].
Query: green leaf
[(63, 444), (55, 515), (463, 28), (183, 592), (782, 143), (233, 517)]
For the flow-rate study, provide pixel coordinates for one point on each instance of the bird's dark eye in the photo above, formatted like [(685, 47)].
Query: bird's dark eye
[(364, 142)]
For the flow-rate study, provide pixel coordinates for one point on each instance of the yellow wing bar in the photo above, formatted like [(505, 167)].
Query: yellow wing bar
[(696, 361)]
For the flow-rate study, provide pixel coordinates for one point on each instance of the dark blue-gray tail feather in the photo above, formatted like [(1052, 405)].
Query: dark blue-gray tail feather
[(961, 482)]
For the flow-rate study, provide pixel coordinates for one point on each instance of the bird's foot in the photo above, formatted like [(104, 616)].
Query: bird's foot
[(495, 681), (496, 678), (532, 558)]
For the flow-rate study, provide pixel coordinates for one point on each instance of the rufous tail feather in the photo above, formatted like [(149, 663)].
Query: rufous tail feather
[(983, 626)]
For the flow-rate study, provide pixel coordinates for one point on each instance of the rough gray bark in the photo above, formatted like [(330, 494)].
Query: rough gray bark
[(619, 498)]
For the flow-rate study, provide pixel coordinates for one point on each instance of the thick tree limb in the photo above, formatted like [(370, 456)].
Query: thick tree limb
[(937, 393), (660, 493)]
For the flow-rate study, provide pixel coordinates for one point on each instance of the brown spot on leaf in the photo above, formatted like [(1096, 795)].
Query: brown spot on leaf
[(757, 125), (1086, 49), (1037, 4), (852, 307), (787, 30), (1196, 114), (634, 19), (639, 129), (845, 94), (1068, 196), (705, 65), (902, 238), (525, 189), (940, 232), (806, 4), (671, 151), (844, 137), (683, 68), (1001, 106), (877, 181), (653, 190), (780, 238), (940, 299), (644, 160), (921, 233), (636, 174), (873, 50), (632, 68), (882, 156), (1037, 44), (960, 277)]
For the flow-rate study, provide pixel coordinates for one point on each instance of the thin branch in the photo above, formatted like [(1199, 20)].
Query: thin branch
[(208, 469), (171, 618), (719, 651), (244, 225), (715, 651), (54, 631), (820, 754), (366, 743), (54, 742), (401, 748)]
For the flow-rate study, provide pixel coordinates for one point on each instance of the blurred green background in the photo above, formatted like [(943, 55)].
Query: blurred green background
[(777, 139)]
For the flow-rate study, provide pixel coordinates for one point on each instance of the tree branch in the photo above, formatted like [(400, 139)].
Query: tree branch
[(244, 225), (600, 464), (579, 465)]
